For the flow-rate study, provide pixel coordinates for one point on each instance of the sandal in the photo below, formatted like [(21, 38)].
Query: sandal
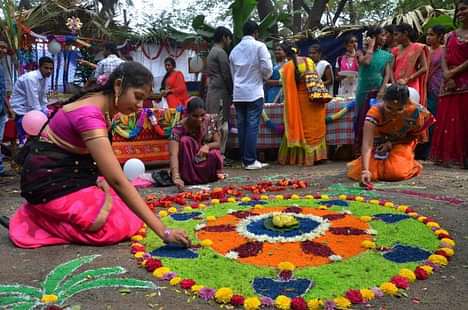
[(5, 221)]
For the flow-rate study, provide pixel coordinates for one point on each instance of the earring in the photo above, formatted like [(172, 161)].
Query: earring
[(116, 101)]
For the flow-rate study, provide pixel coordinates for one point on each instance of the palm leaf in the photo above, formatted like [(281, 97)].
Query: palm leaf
[(20, 290), (11, 301), (89, 275), (59, 273), (24, 306), (107, 282), (241, 10), (267, 23)]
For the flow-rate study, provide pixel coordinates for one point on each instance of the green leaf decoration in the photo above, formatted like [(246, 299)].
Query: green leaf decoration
[(107, 282), (25, 306), (12, 300), (89, 275), (16, 289), (241, 10), (59, 273)]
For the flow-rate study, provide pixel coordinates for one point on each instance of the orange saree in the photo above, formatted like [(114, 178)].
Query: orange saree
[(179, 93), (404, 132), (304, 138), (406, 64)]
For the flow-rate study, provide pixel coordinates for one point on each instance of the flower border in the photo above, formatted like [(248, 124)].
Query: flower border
[(393, 287)]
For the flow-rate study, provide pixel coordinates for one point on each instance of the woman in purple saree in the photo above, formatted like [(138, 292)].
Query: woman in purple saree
[(195, 157)]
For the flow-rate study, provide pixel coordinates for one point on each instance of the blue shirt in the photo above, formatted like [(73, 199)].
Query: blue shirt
[(2, 91), (29, 93)]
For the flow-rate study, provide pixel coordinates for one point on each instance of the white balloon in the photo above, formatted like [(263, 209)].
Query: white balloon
[(133, 168), (414, 95), (54, 47)]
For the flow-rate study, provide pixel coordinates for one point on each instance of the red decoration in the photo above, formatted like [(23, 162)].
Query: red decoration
[(187, 283), (298, 303), (354, 296), (152, 264), (421, 274), (318, 249), (237, 300), (400, 282)]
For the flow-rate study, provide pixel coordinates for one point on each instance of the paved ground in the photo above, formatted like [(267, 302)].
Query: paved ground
[(431, 194)]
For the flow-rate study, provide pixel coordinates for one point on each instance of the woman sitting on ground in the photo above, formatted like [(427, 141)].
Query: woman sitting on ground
[(392, 130), (195, 157), (66, 200)]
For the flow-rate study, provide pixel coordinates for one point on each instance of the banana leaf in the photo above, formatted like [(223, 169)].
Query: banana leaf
[(241, 10)]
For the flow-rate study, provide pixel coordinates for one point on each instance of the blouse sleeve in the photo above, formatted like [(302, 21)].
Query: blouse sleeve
[(89, 122), (374, 116), (176, 133)]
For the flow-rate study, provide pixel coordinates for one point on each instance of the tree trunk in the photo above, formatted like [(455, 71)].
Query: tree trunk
[(265, 7), (297, 16), (352, 13), (339, 10), (316, 15)]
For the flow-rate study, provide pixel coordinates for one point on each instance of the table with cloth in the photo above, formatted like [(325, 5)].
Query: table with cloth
[(340, 131)]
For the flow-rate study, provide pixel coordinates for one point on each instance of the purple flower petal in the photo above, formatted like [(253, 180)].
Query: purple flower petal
[(267, 301), (168, 276), (377, 292), (207, 293), (329, 305)]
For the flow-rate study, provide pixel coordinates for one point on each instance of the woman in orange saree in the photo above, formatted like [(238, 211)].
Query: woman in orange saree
[(173, 85), (391, 132), (411, 61), (304, 138)]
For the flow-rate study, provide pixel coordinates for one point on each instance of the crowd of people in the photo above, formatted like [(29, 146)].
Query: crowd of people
[(75, 188)]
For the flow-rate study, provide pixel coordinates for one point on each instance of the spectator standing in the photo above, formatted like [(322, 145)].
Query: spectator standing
[(251, 65), (5, 109), (30, 93), (110, 62), (324, 68)]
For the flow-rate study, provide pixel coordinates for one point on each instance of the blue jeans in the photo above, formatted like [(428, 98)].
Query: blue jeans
[(3, 121), (20, 133), (248, 119)]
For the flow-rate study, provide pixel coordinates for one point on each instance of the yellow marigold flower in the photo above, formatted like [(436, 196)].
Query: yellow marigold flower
[(163, 213), (325, 197), (448, 251), (422, 218), (342, 303), (366, 218), (433, 224), (342, 197), (206, 242), (202, 205), (359, 198), (211, 218), (389, 288), (245, 199), (196, 288), (368, 244), (367, 294), (223, 295), (264, 197), (323, 207), (139, 254), (283, 302), (448, 242), (214, 201), (374, 201), (174, 281), (311, 197), (286, 266), (49, 299), (314, 304), (389, 204), (294, 196), (137, 238), (408, 274), (402, 208), (231, 199), (441, 231), (252, 303), (438, 259), (172, 210), (413, 214), (188, 208), (427, 269), (160, 272), (258, 206), (279, 197)]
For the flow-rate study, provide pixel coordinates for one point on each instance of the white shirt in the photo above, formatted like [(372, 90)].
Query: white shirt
[(321, 66), (107, 65), (29, 93), (251, 65)]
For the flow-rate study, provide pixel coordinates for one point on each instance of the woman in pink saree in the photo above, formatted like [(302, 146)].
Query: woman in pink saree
[(411, 62), (67, 200)]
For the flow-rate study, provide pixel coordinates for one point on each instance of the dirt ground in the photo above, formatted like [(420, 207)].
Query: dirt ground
[(431, 194)]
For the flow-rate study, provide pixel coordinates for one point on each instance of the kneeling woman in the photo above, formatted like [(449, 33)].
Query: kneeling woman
[(66, 200), (392, 130), (194, 147)]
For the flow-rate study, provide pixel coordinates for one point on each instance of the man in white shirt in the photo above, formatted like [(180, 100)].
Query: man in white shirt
[(251, 65), (108, 64), (30, 93)]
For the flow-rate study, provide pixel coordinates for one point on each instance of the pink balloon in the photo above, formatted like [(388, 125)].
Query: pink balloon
[(33, 121)]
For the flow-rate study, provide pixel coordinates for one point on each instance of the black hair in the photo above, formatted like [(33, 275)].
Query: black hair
[(457, 3), (132, 74), (348, 38), (397, 92), (290, 52), (373, 32), (45, 60), (317, 47), (438, 30), (250, 27), (404, 27), (173, 63), (390, 28), (195, 103), (111, 48), (220, 33)]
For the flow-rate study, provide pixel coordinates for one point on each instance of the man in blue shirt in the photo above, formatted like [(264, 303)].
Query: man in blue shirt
[(4, 108), (30, 93)]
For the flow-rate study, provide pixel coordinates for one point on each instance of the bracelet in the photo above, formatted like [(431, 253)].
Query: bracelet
[(365, 171), (167, 233)]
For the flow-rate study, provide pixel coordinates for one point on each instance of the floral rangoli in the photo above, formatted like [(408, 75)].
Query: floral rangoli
[(292, 251)]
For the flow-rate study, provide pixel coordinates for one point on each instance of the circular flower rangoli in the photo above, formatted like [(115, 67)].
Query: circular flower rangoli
[(311, 250)]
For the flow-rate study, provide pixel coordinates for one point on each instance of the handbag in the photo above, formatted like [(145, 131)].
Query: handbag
[(318, 93)]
